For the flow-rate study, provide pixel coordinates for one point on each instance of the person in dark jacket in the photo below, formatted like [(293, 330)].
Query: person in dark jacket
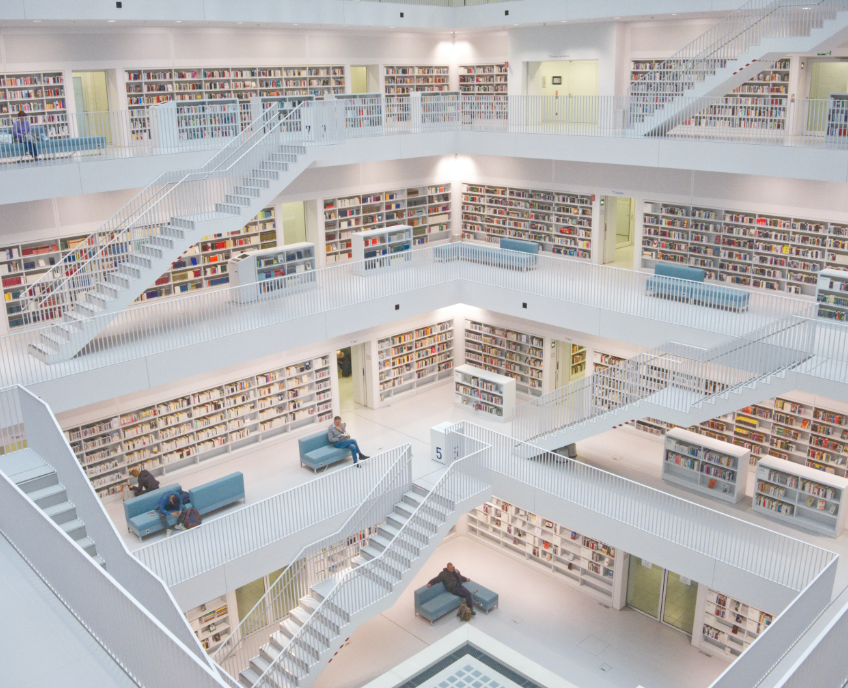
[(453, 580), (146, 481), (171, 504)]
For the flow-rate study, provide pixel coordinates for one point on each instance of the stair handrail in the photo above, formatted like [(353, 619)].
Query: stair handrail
[(79, 280), (301, 574), (446, 491)]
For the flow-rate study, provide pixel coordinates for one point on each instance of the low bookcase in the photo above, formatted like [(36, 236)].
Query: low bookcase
[(273, 269), (382, 249), (706, 465), (484, 392)]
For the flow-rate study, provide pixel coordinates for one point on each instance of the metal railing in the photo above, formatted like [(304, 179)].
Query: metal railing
[(439, 3), (231, 536), (318, 561)]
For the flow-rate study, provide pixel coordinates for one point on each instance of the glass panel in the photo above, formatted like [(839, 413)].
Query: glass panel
[(681, 594), (248, 595), (644, 585)]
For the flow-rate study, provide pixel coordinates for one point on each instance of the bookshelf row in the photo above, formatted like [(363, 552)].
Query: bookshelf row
[(560, 222), (832, 294), (174, 433), (425, 208), (772, 252), (484, 78), (484, 392), (41, 95), (837, 116), (212, 623), (413, 359), (602, 361), (591, 565), (401, 81), (706, 465), (579, 355), (514, 354), (729, 625)]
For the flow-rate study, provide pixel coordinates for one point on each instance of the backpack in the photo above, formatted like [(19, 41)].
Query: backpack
[(464, 612), (193, 518)]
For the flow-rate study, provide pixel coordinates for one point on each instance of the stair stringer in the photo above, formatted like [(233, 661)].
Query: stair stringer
[(746, 66), (65, 340)]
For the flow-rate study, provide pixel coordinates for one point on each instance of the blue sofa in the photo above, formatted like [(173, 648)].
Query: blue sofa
[(143, 519), (433, 603), (685, 283), (512, 253), (47, 146), (317, 452)]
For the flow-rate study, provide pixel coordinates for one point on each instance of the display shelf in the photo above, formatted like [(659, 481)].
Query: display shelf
[(801, 496), (716, 468), (484, 392), (212, 623), (432, 110), (177, 123), (375, 250), (728, 625), (602, 361), (287, 268), (414, 359), (515, 354), (578, 362), (576, 559), (484, 78), (175, 433), (426, 209), (747, 249), (41, 95), (837, 116), (363, 111), (560, 222), (401, 81), (832, 294)]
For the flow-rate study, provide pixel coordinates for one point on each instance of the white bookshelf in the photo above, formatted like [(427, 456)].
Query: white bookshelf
[(177, 123), (288, 267), (800, 496), (403, 80), (175, 433), (576, 559), (706, 465), (579, 362), (363, 111), (212, 623), (411, 360), (286, 106), (515, 354), (832, 294), (41, 95), (388, 248), (602, 361), (484, 392), (484, 79), (727, 625), (743, 248), (837, 116), (436, 109), (560, 222), (427, 209)]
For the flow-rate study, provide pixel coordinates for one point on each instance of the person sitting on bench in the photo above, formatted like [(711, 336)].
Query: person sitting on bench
[(452, 579), (337, 434)]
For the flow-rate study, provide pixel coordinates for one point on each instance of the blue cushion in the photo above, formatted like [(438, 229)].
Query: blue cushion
[(148, 501), (150, 522), (314, 441), (434, 602), (318, 458), (680, 271), (217, 493), (519, 245)]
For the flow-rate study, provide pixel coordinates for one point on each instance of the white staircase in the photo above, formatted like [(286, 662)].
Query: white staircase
[(742, 45), (84, 293), (39, 482)]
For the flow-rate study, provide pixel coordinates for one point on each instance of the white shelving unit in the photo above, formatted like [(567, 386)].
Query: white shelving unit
[(727, 625), (179, 123), (363, 111), (578, 560), (560, 222), (290, 267), (287, 105), (511, 353), (212, 623), (602, 361), (427, 209), (414, 359), (837, 116), (484, 79), (579, 360), (748, 249), (175, 433), (484, 392), (832, 294), (401, 81), (382, 249), (41, 95), (801, 496), (706, 465), (438, 110)]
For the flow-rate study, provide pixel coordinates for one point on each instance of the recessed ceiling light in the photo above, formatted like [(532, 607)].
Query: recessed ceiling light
[(178, 22), (36, 21), (111, 21)]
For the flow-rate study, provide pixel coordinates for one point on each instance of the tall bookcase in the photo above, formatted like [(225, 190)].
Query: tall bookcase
[(41, 95), (519, 355), (727, 625), (837, 116), (578, 362), (484, 79), (412, 360), (576, 559), (401, 81), (176, 123), (832, 294), (426, 209), (706, 465), (197, 426), (601, 361), (212, 623), (560, 222), (749, 249)]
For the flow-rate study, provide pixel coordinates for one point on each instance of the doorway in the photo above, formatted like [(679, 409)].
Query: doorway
[(365, 79), (293, 219), (563, 78), (354, 365), (619, 231), (826, 77), (661, 594), (569, 362), (344, 363), (91, 97)]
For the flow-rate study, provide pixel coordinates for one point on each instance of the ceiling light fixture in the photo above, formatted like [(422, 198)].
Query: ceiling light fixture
[(111, 21)]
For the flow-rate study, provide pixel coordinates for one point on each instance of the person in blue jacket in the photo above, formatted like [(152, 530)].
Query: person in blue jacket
[(171, 504)]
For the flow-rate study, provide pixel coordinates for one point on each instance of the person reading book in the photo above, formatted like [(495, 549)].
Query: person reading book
[(338, 436)]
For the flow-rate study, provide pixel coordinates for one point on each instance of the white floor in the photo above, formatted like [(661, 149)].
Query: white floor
[(558, 627)]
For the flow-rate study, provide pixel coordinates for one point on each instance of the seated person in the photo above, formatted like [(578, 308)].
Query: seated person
[(453, 580), (339, 438), (145, 482), (172, 504)]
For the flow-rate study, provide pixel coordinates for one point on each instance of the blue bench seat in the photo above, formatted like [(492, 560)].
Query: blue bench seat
[(317, 452), (46, 146), (513, 254), (435, 602), (686, 283)]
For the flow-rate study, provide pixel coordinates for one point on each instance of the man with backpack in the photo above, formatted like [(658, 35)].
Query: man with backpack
[(171, 504), (452, 579)]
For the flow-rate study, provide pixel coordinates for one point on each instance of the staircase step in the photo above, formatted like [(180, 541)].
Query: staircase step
[(49, 496), (370, 552), (33, 480), (423, 491), (248, 678), (54, 338), (388, 531), (359, 561), (228, 209), (248, 191), (42, 350), (75, 529), (276, 645), (87, 544), (413, 498), (173, 231), (99, 560), (379, 542), (237, 199), (69, 329), (162, 241), (61, 513)]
